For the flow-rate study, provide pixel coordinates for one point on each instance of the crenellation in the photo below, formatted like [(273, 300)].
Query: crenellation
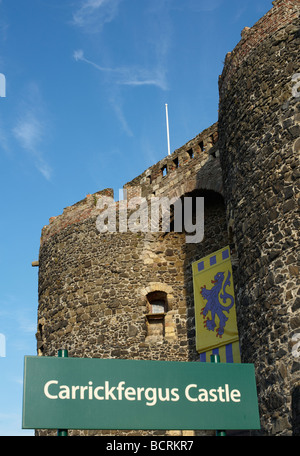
[(177, 164), (283, 13)]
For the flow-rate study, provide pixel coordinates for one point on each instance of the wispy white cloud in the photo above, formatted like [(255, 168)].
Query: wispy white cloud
[(134, 76), (117, 106), (30, 129), (129, 75), (93, 14), (150, 65)]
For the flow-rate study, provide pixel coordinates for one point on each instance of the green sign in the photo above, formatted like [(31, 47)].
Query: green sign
[(93, 393)]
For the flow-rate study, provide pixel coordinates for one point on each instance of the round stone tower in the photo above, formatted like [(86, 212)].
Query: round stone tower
[(124, 293), (259, 130), (129, 294)]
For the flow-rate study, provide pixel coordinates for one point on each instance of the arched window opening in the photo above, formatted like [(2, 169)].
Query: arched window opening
[(157, 302), (155, 317)]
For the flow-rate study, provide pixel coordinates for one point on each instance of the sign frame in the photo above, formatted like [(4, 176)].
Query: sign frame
[(113, 394)]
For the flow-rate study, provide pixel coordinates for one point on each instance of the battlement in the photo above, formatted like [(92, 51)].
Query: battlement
[(283, 13), (193, 166), (82, 210), (179, 173)]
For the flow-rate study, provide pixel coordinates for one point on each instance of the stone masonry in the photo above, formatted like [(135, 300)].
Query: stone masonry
[(259, 129), (98, 291)]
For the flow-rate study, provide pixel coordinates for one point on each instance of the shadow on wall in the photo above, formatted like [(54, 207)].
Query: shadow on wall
[(215, 238)]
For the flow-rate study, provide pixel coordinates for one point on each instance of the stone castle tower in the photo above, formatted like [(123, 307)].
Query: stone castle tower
[(130, 294)]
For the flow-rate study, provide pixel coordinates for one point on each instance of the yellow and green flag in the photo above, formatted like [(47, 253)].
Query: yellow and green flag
[(215, 311)]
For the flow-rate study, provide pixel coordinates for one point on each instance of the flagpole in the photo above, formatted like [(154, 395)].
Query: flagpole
[(168, 133)]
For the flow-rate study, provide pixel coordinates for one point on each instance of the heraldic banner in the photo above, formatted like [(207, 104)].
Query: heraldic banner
[(215, 312)]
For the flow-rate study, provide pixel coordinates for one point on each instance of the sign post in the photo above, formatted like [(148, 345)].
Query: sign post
[(216, 359), (62, 432)]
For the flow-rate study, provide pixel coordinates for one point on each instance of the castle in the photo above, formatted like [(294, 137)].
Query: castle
[(97, 290)]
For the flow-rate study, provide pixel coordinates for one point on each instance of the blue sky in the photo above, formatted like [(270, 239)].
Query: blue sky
[(86, 87)]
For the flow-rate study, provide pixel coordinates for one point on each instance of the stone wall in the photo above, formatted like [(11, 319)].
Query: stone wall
[(193, 166), (98, 291), (272, 23), (259, 129)]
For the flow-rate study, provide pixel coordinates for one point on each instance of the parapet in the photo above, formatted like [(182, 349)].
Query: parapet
[(193, 166), (283, 13), (82, 210)]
